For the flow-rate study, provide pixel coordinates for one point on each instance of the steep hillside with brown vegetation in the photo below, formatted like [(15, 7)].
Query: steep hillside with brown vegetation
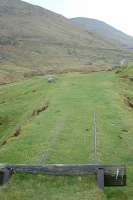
[(34, 41)]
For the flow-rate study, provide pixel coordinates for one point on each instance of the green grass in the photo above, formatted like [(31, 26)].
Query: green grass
[(64, 133), (128, 70), (126, 83)]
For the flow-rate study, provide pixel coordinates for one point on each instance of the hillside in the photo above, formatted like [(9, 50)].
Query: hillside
[(106, 31), (34, 41)]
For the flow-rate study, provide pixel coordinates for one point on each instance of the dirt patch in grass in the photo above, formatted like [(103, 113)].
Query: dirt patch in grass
[(129, 102), (130, 78), (4, 142), (39, 110), (124, 77), (18, 130), (16, 133)]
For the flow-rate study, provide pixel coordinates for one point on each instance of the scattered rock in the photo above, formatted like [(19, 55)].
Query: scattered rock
[(52, 79)]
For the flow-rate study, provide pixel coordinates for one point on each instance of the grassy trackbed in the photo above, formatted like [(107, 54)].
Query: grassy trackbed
[(63, 133)]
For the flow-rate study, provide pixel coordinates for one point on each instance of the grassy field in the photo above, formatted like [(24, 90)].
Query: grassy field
[(62, 133)]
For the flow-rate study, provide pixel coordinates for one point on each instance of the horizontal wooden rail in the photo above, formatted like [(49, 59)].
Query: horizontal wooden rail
[(62, 169), (112, 175)]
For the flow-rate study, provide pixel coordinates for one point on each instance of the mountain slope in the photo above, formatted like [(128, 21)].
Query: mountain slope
[(105, 30), (34, 40)]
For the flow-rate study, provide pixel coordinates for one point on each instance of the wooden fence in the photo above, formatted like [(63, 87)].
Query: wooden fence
[(107, 175)]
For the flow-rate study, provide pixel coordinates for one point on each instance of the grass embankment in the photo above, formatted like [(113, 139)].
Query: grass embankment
[(126, 75), (63, 134), (127, 71)]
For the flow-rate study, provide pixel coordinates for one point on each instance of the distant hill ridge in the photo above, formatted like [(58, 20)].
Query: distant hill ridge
[(105, 30)]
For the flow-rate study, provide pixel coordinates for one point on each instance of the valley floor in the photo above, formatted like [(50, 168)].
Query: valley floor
[(52, 123)]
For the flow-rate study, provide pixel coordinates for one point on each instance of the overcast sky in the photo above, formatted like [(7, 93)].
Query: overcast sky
[(118, 13)]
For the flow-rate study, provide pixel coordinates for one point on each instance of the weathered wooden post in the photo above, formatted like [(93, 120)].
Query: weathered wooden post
[(100, 178), (5, 175)]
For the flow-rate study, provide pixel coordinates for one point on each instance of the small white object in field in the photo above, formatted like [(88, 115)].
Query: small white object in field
[(52, 79), (117, 173), (123, 62)]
